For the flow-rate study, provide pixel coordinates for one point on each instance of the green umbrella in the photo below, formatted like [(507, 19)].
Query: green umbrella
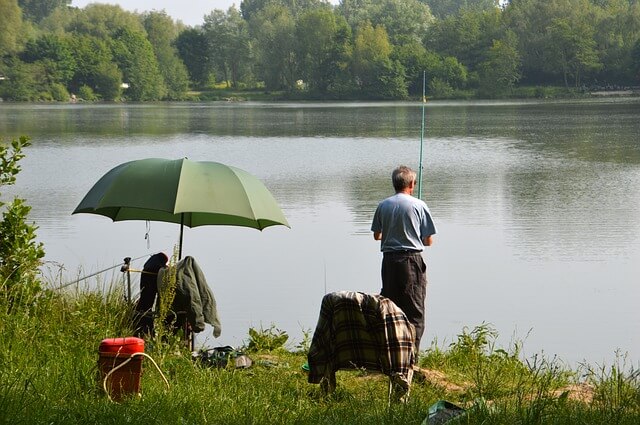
[(191, 193)]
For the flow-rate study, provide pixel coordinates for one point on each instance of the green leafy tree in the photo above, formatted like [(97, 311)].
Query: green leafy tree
[(375, 73), (104, 21), (501, 70), (11, 27), (323, 45), (571, 50), (37, 10), (229, 44), (617, 29), (20, 254), (134, 55), (24, 81), (402, 19), (556, 39), (273, 33), (95, 67), (193, 50), (162, 33), (467, 36), (54, 53), (445, 8), (249, 8), (413, 57), (635, 61)]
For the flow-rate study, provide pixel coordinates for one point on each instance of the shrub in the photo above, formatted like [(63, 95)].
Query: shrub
[(86, 93), (59, 92), (20, 254)]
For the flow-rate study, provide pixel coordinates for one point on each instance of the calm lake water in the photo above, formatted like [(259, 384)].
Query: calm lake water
[(537, 206)]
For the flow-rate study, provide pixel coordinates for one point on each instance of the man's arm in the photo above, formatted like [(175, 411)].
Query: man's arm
[(428, 241), (377, 236)]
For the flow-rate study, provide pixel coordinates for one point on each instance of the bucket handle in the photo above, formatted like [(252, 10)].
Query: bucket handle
[(104, 382)]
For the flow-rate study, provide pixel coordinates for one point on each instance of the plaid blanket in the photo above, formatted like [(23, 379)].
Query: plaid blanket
[(358, 330)]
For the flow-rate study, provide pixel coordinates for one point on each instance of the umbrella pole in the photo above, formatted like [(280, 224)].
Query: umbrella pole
[(181, 233)]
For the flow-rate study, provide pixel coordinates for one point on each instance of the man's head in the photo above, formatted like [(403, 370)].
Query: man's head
[(403, 178)]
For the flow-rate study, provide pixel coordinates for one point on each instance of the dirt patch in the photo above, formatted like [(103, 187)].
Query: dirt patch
[(577, 392), (438, 379)]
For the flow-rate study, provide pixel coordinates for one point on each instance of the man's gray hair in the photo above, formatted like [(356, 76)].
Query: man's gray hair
[(402, 177)]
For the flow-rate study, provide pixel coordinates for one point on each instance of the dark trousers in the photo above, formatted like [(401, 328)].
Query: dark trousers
[(404, 281)]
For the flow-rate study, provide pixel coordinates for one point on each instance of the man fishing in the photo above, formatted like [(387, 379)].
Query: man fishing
[(404, 226)]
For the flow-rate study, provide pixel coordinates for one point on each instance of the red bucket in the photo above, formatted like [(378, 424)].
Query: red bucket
[(114, 352)]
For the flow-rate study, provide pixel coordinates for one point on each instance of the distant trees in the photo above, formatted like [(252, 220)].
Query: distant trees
[(274, 48), (134, 55), (323, 38), (227, 36), (192, 47), (358, 49), (162, 34), (37, 10), (97, 75), (376, 74), (12, 25)]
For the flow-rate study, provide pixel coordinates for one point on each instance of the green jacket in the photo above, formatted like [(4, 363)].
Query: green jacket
[(193, 296)]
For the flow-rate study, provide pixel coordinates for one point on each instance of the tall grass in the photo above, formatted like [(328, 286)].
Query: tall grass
[(48, 375)]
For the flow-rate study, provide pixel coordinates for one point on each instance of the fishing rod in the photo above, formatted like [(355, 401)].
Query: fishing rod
[(424, 101), (97, 273)]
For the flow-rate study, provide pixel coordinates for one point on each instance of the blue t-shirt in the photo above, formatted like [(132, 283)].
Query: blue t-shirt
[(404, 222)]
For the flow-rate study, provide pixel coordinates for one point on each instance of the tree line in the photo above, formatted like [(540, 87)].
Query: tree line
[(357, 49)]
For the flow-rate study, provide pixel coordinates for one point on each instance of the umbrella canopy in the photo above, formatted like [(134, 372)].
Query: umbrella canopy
[(191, 193)]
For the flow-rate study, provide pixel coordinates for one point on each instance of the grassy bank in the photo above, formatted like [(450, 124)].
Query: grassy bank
[(48, 375)]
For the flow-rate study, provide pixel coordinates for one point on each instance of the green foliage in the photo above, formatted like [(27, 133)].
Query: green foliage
[(95, 68), (87, 94), (466, 36), (23, 81), (636, 61), (444, 8), (270, 339), (617, 388), (11, 24), (194, 53), (59, 92), (273, 29), (571, 49), (501, 70), (439, 88), (166, 296), (134, 55), (403, 20), (229, 44), (37, 10), (54, 54), (162, 32), (104, 21), (20, 254), (376, 75), (323, 39)]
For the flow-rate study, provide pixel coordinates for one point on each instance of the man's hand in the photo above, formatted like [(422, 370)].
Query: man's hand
[(428, 241), (377, 236)]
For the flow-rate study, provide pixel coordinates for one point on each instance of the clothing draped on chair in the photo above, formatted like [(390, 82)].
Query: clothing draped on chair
[(193, 297), (193, 305), (358, 330)]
